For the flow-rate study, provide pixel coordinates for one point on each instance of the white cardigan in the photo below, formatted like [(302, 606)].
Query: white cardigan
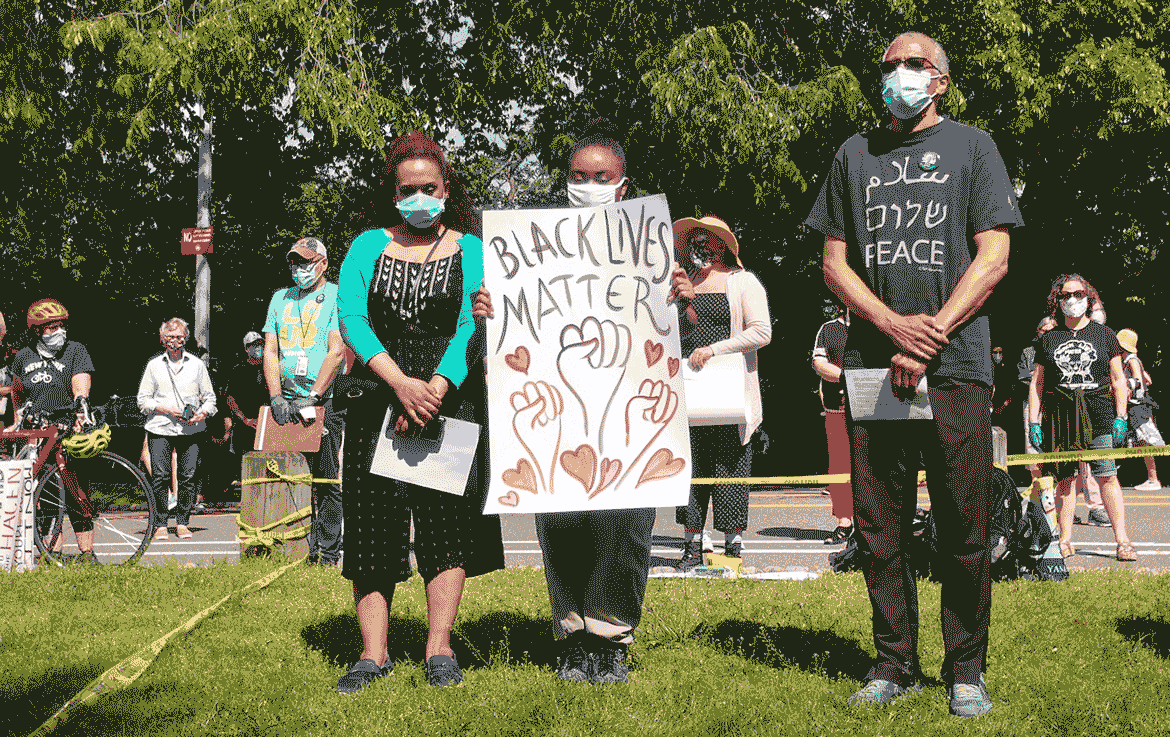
[(751, 329)]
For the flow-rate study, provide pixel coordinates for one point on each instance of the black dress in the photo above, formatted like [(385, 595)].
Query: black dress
[(413, 309), (715, 449)]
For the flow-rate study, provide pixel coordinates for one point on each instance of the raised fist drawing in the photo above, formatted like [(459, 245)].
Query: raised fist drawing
[(537, 424), (647, 414), (592, 363)]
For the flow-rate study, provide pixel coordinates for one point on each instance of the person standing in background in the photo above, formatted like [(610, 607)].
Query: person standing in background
[(1141, 406), (303, 352), (247, 391), (828, 355)]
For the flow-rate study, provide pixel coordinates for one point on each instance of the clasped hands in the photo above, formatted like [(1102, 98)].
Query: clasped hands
[(420, 402), (919, 339)]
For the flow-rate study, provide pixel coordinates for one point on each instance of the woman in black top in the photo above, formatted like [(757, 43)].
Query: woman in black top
[(1079, 387)]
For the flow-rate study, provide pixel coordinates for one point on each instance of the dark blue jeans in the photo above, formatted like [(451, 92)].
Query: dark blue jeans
[(325, 532), (187, 447)]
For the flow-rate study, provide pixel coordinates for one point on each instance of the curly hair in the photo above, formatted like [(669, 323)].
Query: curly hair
[(1054, 295), (459, 212)]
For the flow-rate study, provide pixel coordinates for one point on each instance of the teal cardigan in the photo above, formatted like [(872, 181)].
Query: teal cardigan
[(353, 290)]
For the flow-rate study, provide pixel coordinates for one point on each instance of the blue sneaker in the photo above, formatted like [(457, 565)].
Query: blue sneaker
[(881, 691), (363, 673), (970, 699)]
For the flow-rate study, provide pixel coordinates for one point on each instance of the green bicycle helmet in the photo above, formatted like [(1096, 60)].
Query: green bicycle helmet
[(87, 444)]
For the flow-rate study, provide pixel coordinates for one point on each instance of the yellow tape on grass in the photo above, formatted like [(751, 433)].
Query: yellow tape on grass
[(128, 671)]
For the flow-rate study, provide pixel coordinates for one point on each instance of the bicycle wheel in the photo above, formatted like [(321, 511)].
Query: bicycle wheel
[(122, 510)]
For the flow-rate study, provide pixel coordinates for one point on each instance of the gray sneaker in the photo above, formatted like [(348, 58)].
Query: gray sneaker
[(881, 691), (1099, 518), (577, 665), (970, 699), (363, 673), (612, 666)]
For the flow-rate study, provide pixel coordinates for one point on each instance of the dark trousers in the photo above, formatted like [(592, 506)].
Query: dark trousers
[(325, 531), (187, 447), (956, 446)]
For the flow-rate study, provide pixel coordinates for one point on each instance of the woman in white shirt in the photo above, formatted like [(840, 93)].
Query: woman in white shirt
[(176, 396)]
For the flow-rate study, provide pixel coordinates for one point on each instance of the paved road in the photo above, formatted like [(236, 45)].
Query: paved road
[(785, 532)]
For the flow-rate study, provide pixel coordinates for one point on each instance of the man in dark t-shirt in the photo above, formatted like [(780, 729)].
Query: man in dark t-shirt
[(246, 393), (916, 218)]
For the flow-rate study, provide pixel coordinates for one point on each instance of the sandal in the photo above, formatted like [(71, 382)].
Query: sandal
[(183, 532), (1067, 550), (1126, 551), (160, 533), (840, 535)]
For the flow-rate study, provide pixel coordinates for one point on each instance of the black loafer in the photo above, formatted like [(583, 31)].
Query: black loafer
[(363, 673), (443, 671)]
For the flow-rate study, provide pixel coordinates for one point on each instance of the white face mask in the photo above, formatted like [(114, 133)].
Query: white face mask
[(1075, 307), (591, 195), (54, 341)]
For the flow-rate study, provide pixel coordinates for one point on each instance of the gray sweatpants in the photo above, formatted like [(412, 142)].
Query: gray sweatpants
[(596, 565)]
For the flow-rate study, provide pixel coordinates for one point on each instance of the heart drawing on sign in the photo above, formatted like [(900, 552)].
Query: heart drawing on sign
[(653, 352), (581, 464), (610, 468), (511, 499), (662, 465), (672, 366), (519, 360), (521, 477)]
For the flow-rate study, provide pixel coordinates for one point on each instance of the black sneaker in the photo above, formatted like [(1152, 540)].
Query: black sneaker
[(577, 665), (611, 664), (363, 673), (734, 550), (443, 671), (692, 556), (1099, 518), (87, 558)]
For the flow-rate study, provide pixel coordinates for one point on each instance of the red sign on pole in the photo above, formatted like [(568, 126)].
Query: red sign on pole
[(196, 241)]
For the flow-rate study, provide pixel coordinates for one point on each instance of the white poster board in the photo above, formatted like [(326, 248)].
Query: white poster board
[(715, 393), (585, 388), (16, 516)]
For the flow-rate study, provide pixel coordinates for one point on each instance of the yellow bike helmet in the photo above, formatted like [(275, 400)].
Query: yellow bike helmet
[(44, 311), (87, 444)]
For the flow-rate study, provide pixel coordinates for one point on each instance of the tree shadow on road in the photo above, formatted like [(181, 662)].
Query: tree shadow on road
[(795, 533)]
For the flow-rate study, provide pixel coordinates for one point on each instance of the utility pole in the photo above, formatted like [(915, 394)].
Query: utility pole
[(203, 220)]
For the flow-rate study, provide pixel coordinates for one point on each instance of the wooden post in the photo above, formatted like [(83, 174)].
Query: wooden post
[(262, 504)]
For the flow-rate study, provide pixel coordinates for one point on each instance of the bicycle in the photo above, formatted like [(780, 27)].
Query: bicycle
[(86, 483)]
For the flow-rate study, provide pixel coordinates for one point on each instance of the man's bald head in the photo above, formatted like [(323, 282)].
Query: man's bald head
[(930, 49)]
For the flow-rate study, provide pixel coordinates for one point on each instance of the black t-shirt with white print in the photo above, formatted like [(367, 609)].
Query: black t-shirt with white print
[(909, 205), (48, 382), (1080, 359)]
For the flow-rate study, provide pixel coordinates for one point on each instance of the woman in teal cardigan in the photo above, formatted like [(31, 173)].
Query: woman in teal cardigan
[(405, 309)]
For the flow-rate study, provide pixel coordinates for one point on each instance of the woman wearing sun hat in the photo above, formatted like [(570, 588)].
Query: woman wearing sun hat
[(1141, 406), (729, 314)]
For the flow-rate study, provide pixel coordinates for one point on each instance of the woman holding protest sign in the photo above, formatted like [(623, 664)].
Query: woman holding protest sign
[(596, 562), (729, 315), (406, 313), (1078, 384)]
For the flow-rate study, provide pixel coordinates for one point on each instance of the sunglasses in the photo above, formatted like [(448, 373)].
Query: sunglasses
[(916, 63), (1079, 294)]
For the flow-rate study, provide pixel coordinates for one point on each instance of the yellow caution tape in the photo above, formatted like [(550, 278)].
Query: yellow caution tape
[(263, 535), (128, 670), (296, 478), (1018, 459)]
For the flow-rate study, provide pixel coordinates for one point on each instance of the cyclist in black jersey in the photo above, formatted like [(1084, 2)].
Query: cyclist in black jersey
[(50, 376)]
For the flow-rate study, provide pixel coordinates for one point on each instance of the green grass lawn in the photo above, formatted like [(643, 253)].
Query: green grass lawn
[(1086, 656)]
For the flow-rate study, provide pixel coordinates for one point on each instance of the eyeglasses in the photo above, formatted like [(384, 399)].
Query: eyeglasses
[(1079, 294), (916, 63)]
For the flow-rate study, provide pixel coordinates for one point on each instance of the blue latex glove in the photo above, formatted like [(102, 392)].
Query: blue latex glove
[(1035, 435), (281, 409), (1119, 427)]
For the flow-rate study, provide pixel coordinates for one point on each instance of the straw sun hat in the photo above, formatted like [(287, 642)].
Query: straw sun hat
[(717, 227), (1128, 340)]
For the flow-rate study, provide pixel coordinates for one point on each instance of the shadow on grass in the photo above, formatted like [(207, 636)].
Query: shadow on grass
[(795, 533), (1153, 633), (814, 651), (136, 710), (494, 637)]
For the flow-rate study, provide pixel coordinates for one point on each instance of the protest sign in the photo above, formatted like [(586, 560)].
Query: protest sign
[(585, 393), (16, 515)]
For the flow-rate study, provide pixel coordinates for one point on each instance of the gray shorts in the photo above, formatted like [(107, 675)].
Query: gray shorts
[(1105, 466)]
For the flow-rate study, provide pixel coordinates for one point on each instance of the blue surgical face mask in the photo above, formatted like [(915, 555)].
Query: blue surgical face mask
[(905, 91), (305, 275), (421, 210), (256, 352)]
